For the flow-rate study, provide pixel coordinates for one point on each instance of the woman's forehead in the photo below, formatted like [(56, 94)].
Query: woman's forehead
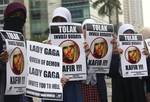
[(129, 31)]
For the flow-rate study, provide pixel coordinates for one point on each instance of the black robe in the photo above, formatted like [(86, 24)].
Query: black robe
[(125, 89), (147, 79)]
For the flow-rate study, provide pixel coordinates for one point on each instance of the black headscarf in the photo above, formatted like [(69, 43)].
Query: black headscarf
[(15, 17)]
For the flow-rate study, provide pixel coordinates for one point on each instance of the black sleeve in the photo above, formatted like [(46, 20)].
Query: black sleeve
[(148, 65), (147, 78), (1, 44), (114, 66), (2, 64), (148, 68)]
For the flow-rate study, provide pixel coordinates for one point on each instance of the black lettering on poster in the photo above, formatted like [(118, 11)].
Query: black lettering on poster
[(17, 80), (47, 51), (69, 68), (15, 43), (72, 68), (33, 83), (130, 38), (98, 62), (51, 74), (12, 35), (134, 67), (35, 71), (103, 34), (67, 36), (100, 27), (62, 29)]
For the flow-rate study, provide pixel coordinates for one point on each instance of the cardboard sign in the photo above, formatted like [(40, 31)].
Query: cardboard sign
[(16, 65), (133, 61), (99, 37), (44, 71), (70, 38)]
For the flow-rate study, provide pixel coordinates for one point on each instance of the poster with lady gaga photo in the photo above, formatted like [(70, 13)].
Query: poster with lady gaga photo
[(69, 36), (99, 37), (16, 65), (133, 60)]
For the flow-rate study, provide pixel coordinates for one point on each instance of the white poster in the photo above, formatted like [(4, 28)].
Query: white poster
[(147, 41), (44, 71), (16, 65), (133, 61), (69, 36), (99, 37)]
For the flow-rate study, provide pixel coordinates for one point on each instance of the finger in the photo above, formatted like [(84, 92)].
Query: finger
[(4, 53), (114, 36), (120, 51), (114, 41), (86, 47)]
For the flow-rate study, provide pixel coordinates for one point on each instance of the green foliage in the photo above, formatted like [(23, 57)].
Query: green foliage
[(107, 7)]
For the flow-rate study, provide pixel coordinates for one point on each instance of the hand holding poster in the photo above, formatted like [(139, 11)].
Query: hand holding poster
[(44, 71), (99, 37), (69, 36), (147, 41), (16, 65), (133, 62)]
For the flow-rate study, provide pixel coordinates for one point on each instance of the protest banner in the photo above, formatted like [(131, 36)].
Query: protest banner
[(133, 61), (99, 37), (16, 65), (69, 36), (44, 71)]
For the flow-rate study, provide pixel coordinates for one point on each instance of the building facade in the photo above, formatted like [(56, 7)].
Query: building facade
[(38, 18), (133, 14), (3, 4), (39, 14), (82, 9)]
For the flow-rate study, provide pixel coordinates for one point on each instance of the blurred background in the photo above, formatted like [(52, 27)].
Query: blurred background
[(117, 12), (103, 11)]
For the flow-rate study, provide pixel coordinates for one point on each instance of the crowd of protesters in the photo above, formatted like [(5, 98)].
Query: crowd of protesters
[(135, 89)]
